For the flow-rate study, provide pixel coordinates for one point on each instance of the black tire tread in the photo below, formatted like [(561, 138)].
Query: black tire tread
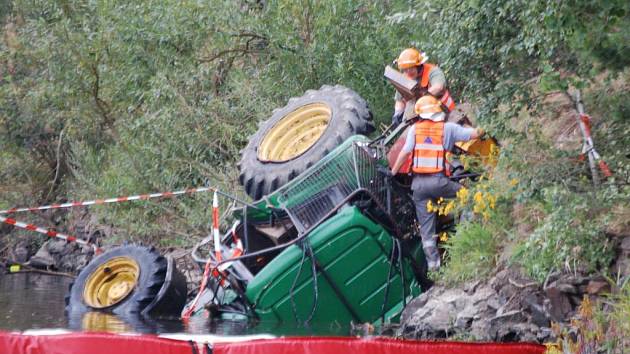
[(351, 115), (153, 268)]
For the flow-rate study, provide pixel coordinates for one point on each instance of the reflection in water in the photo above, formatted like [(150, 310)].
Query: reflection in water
[(30, 300), (104, 322)]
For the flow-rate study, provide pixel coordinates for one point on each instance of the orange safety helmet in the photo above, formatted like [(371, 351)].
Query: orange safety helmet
[(410, 57), (428, 107)]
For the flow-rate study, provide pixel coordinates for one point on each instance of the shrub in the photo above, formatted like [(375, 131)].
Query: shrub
[(570, 238), (470, 253)]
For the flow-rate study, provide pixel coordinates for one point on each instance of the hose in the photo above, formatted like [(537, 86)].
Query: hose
[(389, 279), (401, 269), (306, 249), (315, 288), (292, 289)]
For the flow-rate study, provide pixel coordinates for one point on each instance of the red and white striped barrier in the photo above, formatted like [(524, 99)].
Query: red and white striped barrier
[(68, 238), (209, 267), (588, 148), (48, 232), (110, 200), (215, 222), (215, 227)]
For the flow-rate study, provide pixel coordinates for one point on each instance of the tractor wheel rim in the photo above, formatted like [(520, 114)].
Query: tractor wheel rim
[(295, 133), (111, 282)]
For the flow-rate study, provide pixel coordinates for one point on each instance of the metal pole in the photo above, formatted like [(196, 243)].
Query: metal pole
[(588, 142)]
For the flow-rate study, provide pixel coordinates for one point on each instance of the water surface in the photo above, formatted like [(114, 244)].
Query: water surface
[(37, 301)]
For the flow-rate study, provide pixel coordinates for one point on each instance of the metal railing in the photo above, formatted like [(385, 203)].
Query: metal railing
[(320, 190)]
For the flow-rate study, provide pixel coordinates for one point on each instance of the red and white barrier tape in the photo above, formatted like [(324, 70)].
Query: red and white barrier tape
[(47, 232), (215, 227), (111, 200)]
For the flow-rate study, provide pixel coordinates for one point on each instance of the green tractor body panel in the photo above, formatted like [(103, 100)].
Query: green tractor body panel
[(352, 254)]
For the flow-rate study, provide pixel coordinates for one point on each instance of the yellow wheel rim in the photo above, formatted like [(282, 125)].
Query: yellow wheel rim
[(295, 133), (111, 282)]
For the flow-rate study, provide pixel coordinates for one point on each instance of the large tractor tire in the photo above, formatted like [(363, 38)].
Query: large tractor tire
[(300, 134), (128, 280)]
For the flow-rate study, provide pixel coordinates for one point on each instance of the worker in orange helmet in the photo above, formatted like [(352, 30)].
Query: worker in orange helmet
[(430, 77), (429, 139)]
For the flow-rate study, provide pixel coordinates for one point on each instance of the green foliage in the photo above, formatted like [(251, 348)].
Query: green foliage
[(570, 238), (492, 51), (470, 254), (103, 98)]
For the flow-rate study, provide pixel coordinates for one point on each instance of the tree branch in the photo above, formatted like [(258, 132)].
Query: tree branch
[(100, 104), (54, 181)]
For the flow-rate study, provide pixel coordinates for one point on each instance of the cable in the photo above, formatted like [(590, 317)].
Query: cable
[(389, 278), (402, 272), (291, 290), (306, 249), (315, 288)]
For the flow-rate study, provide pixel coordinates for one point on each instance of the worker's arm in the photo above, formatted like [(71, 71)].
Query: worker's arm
[(437, 82), (436, 90), (402, 157), (455, 132), (399, 106), (399, 109), (410, 142)]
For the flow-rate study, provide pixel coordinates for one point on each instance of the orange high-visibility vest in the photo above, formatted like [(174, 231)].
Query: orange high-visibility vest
[(428, 154), (446, 99)]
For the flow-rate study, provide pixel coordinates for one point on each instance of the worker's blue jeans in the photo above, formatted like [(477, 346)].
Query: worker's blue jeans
[(425, 188)]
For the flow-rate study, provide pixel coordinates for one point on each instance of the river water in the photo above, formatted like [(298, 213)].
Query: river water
[(37, 301)]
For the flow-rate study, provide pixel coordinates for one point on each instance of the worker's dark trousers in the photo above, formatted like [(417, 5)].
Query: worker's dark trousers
[(425, 188)]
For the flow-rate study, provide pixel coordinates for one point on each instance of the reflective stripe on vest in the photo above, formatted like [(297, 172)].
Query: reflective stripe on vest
[(446, 99), (428, 154), (426, 72)]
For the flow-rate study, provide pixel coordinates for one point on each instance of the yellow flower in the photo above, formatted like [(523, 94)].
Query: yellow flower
[(430, 206), (492, 200), (586, 308), (443, 237), (513, 182), (462, 195), (449, 207), (553, 348), (478, 198)]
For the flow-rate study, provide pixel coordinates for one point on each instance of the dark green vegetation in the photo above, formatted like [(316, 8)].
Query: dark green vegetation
[(111, 98)]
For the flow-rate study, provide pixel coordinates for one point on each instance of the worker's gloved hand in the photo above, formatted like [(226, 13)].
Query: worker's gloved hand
[(397, 118), (481, 132)]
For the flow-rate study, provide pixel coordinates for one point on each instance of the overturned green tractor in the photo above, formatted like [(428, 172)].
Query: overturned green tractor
[(330, 238)]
